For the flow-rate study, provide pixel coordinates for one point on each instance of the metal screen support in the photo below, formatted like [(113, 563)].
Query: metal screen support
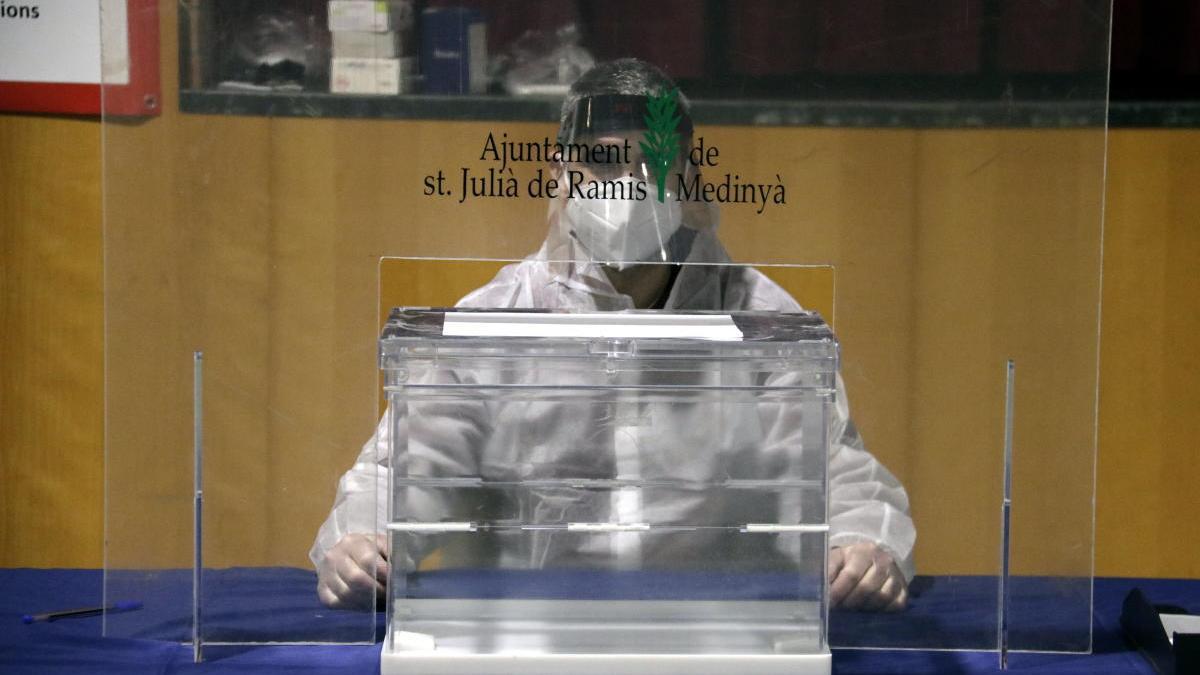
[(198, 498), (1006, 517)]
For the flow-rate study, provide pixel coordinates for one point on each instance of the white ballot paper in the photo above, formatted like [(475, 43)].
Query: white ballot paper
[(615, 325)]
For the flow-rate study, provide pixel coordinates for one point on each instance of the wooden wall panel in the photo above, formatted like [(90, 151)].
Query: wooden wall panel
[(51, 337), (1007, 267), (1150, 358)]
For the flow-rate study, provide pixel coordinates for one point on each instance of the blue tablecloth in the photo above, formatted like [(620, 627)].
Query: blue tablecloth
[(260, 603)]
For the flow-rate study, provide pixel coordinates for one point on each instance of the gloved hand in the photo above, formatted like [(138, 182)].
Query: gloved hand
[(863, 576), (354, 571)]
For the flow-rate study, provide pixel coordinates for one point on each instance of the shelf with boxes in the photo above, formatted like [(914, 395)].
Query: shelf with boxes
[(354, 47), (433, 59)]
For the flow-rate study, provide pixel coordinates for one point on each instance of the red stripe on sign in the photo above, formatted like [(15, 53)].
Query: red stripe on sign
[(47, 97)]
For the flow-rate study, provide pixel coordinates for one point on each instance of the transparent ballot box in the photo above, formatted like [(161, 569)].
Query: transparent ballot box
[(607, 492)]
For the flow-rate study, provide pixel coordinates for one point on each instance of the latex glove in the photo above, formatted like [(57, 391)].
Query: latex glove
[(354, 572), (864, 577)]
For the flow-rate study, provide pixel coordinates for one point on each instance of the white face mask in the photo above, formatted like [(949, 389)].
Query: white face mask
[(624, 232)]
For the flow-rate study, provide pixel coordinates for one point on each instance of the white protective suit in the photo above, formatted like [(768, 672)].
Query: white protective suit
[(866, 502)]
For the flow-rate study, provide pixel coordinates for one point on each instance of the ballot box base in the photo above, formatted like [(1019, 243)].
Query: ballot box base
[(432, 663)]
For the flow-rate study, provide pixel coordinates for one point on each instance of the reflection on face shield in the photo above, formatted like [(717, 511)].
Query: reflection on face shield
[(625, 231), (608, 167)]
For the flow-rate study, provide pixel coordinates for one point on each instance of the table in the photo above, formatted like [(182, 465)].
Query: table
[(287, 595)]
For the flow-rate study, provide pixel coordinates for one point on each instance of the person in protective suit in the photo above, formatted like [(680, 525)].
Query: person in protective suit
[(618, 254)]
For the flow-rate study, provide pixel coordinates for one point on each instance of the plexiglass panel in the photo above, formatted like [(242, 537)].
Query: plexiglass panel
[(927, 175)]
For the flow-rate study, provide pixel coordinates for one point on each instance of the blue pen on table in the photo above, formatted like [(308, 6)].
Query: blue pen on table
[(123, 606)]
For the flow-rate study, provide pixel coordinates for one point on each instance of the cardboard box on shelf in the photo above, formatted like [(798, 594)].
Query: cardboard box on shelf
[(373, 76), (365, 44), (376, 16)]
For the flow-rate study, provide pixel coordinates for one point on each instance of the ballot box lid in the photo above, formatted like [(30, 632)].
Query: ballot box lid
[(620, 334)]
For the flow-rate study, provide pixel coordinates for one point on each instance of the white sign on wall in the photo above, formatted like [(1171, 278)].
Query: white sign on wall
[(51, 55), (50, 41)]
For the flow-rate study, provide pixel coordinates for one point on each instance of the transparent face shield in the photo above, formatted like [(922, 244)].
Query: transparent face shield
[(621, 162)]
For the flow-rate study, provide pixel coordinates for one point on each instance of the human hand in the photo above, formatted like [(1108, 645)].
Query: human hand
[(863, 576), (354, 571)]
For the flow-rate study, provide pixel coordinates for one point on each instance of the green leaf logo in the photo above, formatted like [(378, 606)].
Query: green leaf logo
[(660, 145)]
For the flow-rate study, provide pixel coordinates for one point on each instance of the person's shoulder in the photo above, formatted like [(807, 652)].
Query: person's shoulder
[(504, 287), (743, 287)]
